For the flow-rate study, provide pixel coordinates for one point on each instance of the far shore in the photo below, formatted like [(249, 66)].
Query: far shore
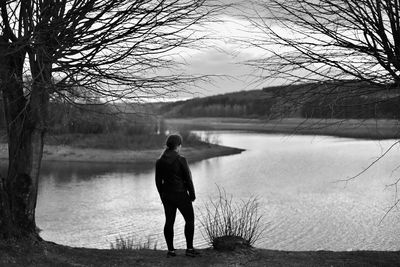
[(352, 128), (74, 154)]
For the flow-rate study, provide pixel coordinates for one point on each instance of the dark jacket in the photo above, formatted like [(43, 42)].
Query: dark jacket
[(173, 174)]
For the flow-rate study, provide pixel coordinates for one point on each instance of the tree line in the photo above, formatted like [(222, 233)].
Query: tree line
[(357, 107), (254, 103), (344, 100), (96, 119), (341, 99)]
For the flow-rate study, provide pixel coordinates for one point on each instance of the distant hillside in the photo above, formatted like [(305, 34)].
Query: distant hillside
[(350, 99), (340, 99), (255, 103)]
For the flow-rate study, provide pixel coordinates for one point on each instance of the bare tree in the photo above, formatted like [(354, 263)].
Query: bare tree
[(335, 42), (79, 50)]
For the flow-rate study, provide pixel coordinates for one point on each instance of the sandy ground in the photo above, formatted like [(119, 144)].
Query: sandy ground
[(49, 254), (67, 153)]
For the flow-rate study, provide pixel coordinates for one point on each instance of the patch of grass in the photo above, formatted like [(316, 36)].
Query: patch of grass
[(108, 141), (130, 243), (224, 217), (121, 140)]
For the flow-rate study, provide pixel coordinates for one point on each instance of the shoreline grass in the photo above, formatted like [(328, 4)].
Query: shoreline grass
[(131, 243)]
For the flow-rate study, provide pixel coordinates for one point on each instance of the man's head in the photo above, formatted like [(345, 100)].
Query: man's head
[(173, 141)]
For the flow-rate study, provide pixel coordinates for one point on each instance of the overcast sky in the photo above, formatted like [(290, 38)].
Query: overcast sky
[(225, 55)]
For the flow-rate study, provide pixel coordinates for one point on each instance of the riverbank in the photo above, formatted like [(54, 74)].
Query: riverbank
[(74, 154), (50, 254), (365, 129)]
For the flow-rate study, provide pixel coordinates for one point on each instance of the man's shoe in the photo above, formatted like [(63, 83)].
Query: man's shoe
[(171, 254), (192, 253)]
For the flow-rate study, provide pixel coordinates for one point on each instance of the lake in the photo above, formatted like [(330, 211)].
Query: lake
[(294, 177)]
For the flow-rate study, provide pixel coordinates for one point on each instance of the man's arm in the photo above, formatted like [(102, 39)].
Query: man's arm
[(188, 178), (158, 179)]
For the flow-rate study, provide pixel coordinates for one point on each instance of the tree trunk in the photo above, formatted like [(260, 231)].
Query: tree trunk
[(25, 112)]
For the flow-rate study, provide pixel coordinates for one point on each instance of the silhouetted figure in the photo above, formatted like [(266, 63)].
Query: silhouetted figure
[(175, 186)]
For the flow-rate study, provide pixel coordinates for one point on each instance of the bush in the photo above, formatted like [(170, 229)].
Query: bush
[(225, 218), (129, 243), (190, 139)]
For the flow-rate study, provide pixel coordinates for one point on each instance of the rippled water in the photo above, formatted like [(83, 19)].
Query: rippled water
[(294, 177)]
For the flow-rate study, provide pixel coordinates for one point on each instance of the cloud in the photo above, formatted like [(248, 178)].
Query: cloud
[(228, 72), (223, 55)]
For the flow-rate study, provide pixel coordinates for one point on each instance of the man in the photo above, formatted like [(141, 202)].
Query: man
[(175, 186)]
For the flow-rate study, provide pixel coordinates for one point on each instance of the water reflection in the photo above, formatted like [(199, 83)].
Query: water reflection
[(65, 172)]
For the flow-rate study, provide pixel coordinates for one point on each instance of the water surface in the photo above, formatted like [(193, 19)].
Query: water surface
[(294, 177)]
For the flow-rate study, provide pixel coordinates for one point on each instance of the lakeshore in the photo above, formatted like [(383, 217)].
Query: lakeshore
[(50, 254), (352, 128), (361, 129)]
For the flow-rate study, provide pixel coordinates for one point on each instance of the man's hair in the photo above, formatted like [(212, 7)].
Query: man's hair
[(173, 141)]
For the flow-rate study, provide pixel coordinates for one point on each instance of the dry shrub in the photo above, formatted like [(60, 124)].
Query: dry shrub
[(130, 243), (225, 217)]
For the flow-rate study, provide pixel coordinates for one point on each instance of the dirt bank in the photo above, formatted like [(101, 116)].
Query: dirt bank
[(50, 254)]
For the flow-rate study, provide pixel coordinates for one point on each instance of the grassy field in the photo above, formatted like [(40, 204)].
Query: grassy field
[(367, 129)]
